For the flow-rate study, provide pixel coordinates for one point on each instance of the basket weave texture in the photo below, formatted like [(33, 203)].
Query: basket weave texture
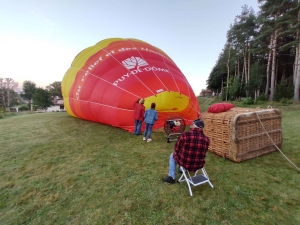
[(240, 134)]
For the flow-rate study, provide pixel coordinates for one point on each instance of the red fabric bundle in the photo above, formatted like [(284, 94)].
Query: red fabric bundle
[(220, 107)]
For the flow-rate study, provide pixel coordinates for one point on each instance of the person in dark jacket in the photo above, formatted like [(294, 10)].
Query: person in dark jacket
[(139, 110), (150, 119), (190, 151)]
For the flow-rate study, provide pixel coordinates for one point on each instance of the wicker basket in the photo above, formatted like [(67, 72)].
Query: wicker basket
[(240, 134)]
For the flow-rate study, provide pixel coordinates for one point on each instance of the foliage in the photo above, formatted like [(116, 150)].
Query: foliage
[(235, 89), (24, 108), (256, 74), (217, 75), (251, 50), (283, 90), (55, 89), (29, 88), (286, 101), (42, 98), (262, 98), (248, 101), (2, 111), (16, 98), (8, 96), (223, 94)]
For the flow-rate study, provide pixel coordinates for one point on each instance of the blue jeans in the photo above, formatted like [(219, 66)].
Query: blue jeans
[(148, 130), (172, 165), (137, 126)]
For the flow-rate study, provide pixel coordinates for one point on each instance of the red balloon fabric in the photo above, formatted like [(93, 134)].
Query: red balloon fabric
[(106, 79), (220, 107)]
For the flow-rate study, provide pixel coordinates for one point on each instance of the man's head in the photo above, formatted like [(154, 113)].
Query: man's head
[(142, 101), (197, 124)]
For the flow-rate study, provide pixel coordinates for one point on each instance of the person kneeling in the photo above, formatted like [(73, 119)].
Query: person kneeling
[(189, 151)]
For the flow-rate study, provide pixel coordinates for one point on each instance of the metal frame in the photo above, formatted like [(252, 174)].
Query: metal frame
[(173, 136), (195, 180)]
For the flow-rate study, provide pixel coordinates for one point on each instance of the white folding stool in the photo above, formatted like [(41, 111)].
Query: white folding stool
[(194, 180)]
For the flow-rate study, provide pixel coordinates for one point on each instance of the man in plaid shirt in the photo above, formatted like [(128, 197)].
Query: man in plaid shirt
[(190, 151)]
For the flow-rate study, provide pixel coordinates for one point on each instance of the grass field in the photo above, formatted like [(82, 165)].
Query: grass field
[(57, 169)]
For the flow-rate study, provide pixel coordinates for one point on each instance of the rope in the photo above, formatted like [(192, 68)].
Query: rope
[(171, 73), (148, 63), (132, 74), (100, 78), (275, 143), (193, 107)]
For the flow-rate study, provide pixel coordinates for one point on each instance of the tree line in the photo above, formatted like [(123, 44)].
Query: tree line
[(37, 97), (261, 57)]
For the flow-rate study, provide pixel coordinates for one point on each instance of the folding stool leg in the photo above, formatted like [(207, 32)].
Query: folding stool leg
[(206, 175), (186, 179)]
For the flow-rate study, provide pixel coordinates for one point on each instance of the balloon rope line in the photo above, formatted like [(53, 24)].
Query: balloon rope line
[(188, 87), (187, 84), (171, 73), (129, 72), (97, 103), (194, 108), (107, 82), (275, 143), (145, 60)]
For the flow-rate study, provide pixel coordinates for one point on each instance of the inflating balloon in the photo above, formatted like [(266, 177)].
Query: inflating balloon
[(106, 79)]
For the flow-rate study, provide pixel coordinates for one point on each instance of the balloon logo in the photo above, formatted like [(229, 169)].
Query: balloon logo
[(106, 79)]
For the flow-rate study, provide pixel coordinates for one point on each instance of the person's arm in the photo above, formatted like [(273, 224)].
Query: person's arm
[(143, 113), (156, 116), (179, 144)]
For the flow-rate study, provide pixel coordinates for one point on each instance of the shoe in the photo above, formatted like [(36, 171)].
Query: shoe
[(169, 179), (149, 139), (144, 139)]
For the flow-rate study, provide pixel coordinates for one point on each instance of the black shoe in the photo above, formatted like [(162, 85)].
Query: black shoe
[(169, 179)]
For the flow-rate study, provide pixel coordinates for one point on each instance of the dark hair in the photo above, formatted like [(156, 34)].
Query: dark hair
[(153, 105)]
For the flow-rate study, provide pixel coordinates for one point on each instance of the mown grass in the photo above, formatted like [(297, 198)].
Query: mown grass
[(57, 169)]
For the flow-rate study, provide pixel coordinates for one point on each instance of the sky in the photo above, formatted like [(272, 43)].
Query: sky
[(40, 38)]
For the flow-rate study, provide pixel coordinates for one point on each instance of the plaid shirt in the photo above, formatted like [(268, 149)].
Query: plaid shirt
[(190, 149)]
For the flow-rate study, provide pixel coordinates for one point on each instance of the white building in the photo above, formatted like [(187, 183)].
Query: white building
[(58, 105)]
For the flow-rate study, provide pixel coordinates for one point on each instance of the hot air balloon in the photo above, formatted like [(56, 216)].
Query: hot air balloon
[(105, 80)]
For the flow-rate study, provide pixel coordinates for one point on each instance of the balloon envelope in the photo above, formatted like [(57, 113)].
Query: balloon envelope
[(106, 79)]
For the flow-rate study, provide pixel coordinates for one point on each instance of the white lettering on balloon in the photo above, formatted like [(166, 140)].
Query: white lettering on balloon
[(140, 70), (77, 92), (122, 78)]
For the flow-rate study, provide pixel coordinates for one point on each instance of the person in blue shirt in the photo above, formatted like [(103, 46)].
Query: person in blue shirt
[(150, 119)]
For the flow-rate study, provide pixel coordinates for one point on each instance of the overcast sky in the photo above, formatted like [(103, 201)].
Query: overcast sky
[(40, 38)]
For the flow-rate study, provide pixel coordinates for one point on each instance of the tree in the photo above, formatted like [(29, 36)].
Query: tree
[(276, 24), (274, 36), (29, 88), (55, 89), (42, 98), (217, 75), (254, 84), (241, 34), (7, 92), (235, 88), (297, 63)]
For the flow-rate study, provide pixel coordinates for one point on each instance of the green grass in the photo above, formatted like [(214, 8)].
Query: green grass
[(57, 169)]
